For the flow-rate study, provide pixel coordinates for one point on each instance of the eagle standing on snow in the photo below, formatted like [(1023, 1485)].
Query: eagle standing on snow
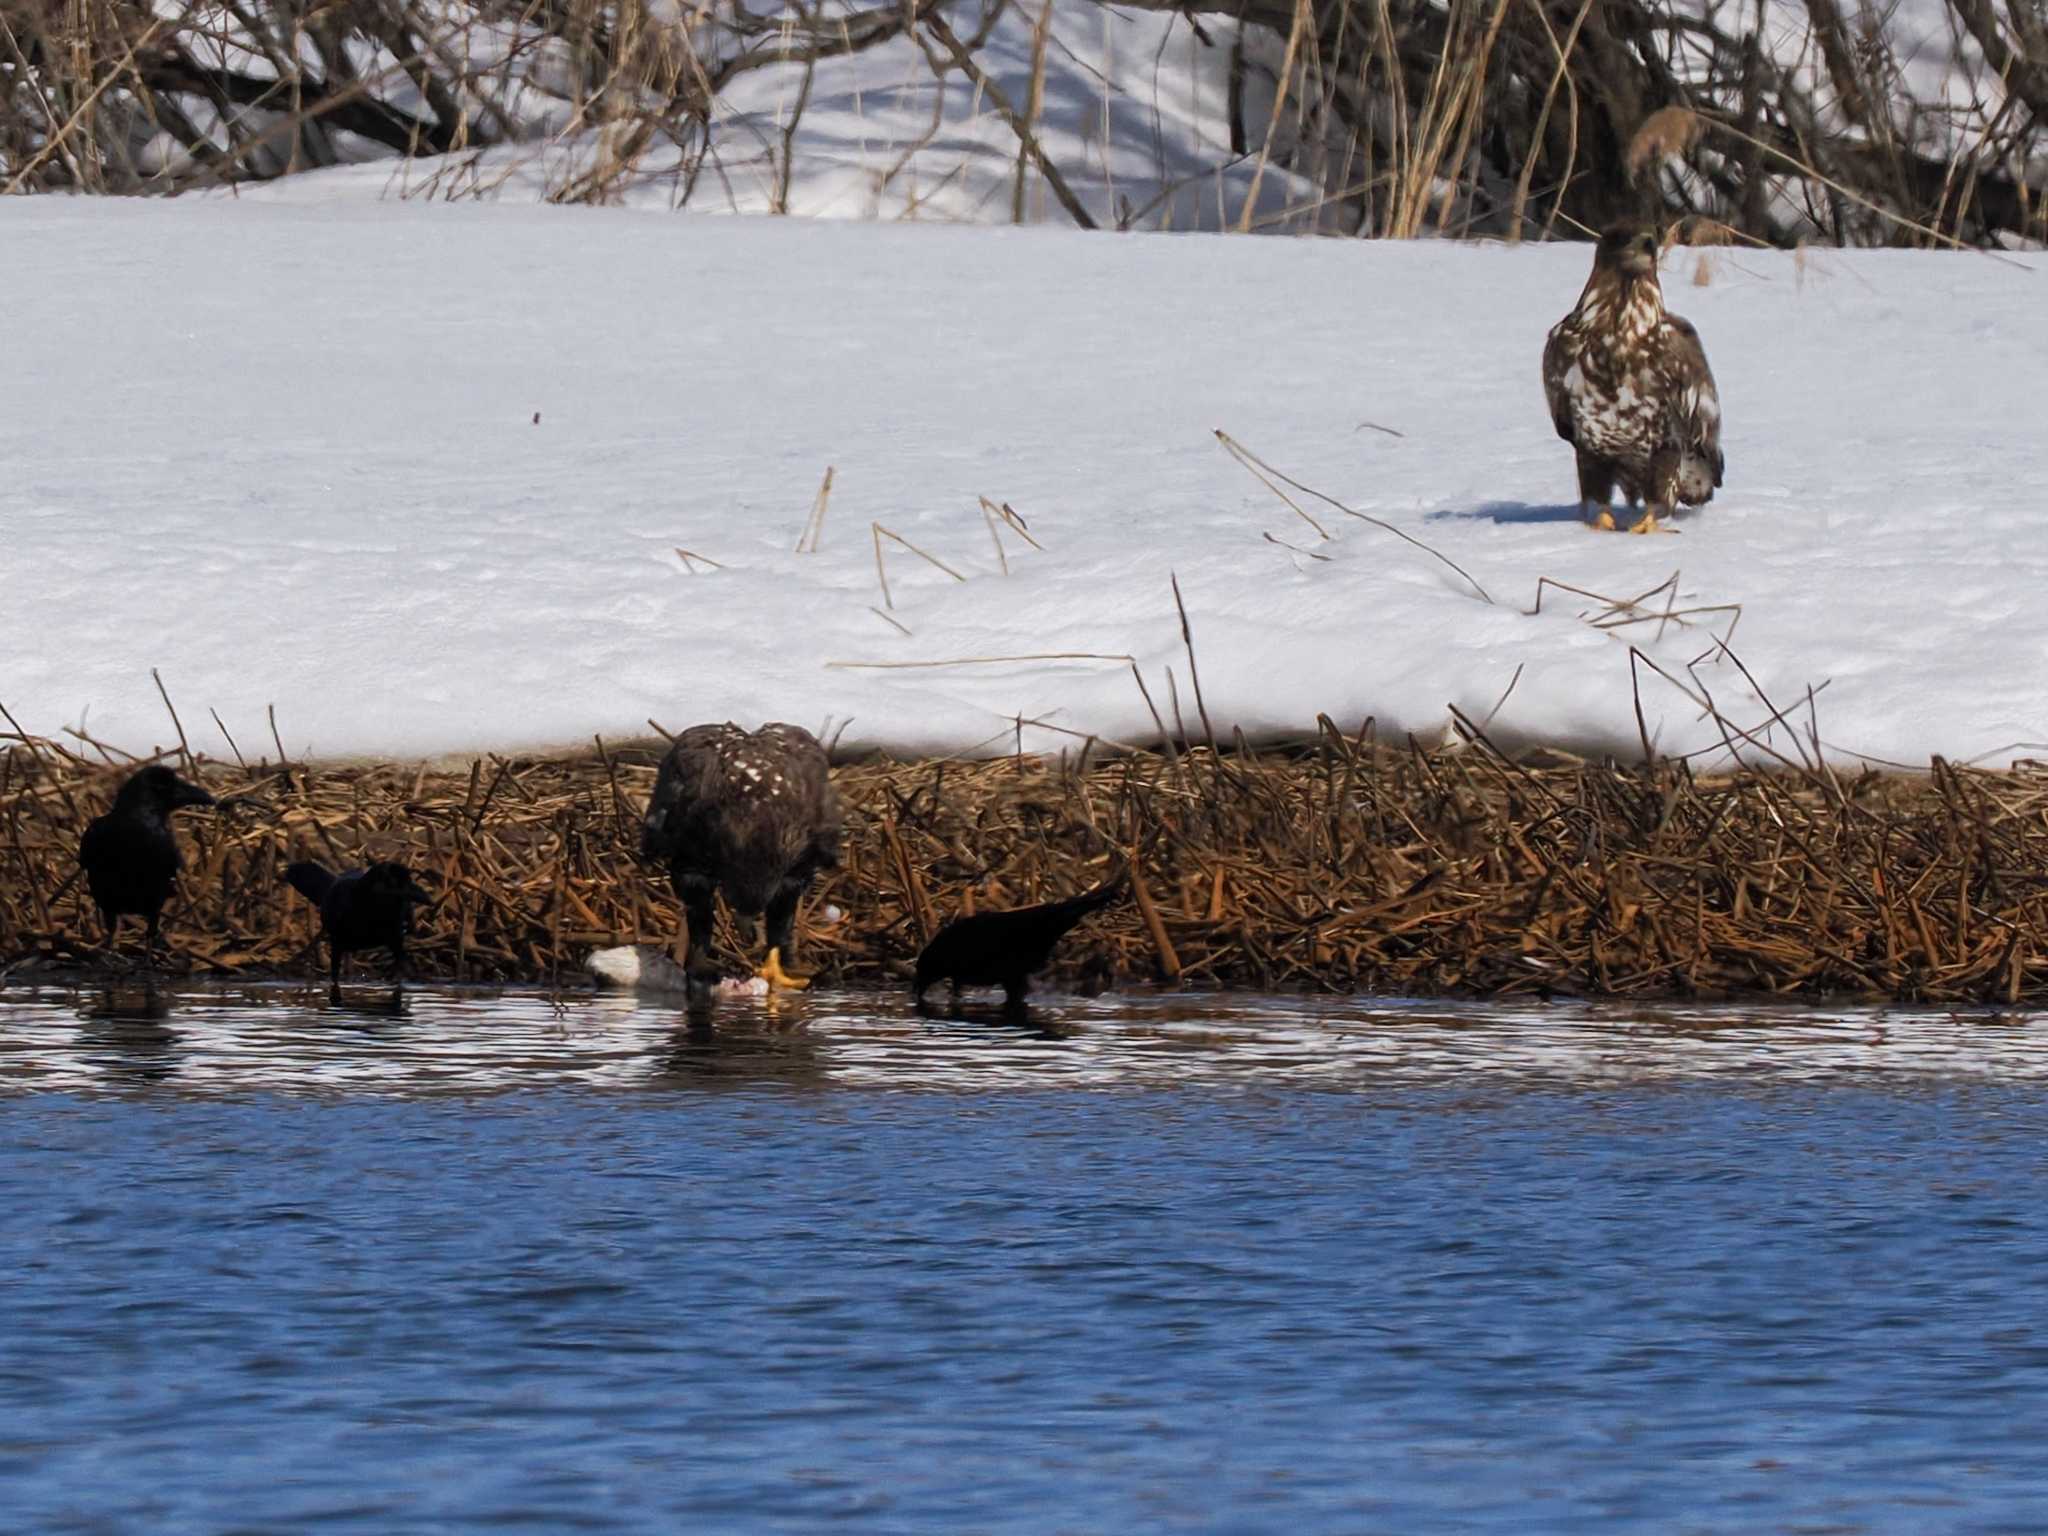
[(1630, 390), (752, 814)]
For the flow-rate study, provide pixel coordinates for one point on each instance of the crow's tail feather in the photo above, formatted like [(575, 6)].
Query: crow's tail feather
[(1074, 908)]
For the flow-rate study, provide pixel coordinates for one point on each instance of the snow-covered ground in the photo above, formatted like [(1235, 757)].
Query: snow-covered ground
[(289, 455)]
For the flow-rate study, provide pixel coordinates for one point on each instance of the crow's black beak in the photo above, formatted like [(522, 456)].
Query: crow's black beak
[(414, 893), (190, 794)]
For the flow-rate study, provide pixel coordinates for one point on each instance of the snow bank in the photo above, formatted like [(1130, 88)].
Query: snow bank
[(289, 455)]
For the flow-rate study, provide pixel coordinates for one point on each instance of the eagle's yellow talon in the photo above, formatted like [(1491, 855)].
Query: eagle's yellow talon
[(1648, 524), (777, 978), (1605, 520)]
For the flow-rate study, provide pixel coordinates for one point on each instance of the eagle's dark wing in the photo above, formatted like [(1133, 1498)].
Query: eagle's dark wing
[(743, 810), (1557, 363), (689, 781), (1694, 401), (810, 831)]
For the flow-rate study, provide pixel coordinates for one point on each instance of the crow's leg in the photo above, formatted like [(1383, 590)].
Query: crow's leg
[(1015, 988), (333, 971)]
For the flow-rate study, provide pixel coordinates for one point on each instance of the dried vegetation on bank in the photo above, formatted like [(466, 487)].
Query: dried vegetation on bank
[(1340, 864)]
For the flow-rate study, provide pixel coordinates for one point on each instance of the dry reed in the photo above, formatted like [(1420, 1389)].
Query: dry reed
[(1389, 117), (1338, 864)]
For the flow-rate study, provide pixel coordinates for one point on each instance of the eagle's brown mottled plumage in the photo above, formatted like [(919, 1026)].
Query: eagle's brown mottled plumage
[(1630, 390), (752, 814)]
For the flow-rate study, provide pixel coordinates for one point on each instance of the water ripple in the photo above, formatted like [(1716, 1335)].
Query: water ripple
[(449, 1041), (1154, 1263)]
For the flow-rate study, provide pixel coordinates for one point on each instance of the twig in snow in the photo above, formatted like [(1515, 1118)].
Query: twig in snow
[(1635, 687), (184, 749), (1245, 456), (1502, 700), (989, 520), (1620, 612), (221, 726), (1016, 520), (1293, 548), (881, 572), (814, 525), (1006, 516), (1187, 640), (1153, 710)]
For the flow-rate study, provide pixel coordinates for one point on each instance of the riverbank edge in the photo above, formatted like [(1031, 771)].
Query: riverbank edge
[(1337, 864)]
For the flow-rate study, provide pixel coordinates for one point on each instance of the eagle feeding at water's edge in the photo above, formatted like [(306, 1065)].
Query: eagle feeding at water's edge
[(1629, 388), (752, 814)]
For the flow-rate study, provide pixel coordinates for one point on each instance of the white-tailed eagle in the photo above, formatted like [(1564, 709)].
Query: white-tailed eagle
[(1630, 390), (749, 813)]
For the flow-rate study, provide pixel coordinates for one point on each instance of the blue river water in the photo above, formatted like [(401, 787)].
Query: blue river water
[(519, 1263)]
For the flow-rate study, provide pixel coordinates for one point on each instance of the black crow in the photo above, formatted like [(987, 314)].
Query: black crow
[(130, 855), (360, 909), (749, 813), (1002, 949)]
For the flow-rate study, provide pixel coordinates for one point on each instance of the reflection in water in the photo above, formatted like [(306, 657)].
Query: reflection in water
[(370, 1007), (287, 1038), (1039, 1023), (747, 1050), (122, 1031)]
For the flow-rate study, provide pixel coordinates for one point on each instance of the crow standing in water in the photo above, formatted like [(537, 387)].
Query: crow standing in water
[(129, 854), (360, 909), (1002, 949), (749, 813)]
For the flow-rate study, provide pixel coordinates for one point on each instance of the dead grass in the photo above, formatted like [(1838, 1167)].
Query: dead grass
[(1341, 864), (1456, 117)]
